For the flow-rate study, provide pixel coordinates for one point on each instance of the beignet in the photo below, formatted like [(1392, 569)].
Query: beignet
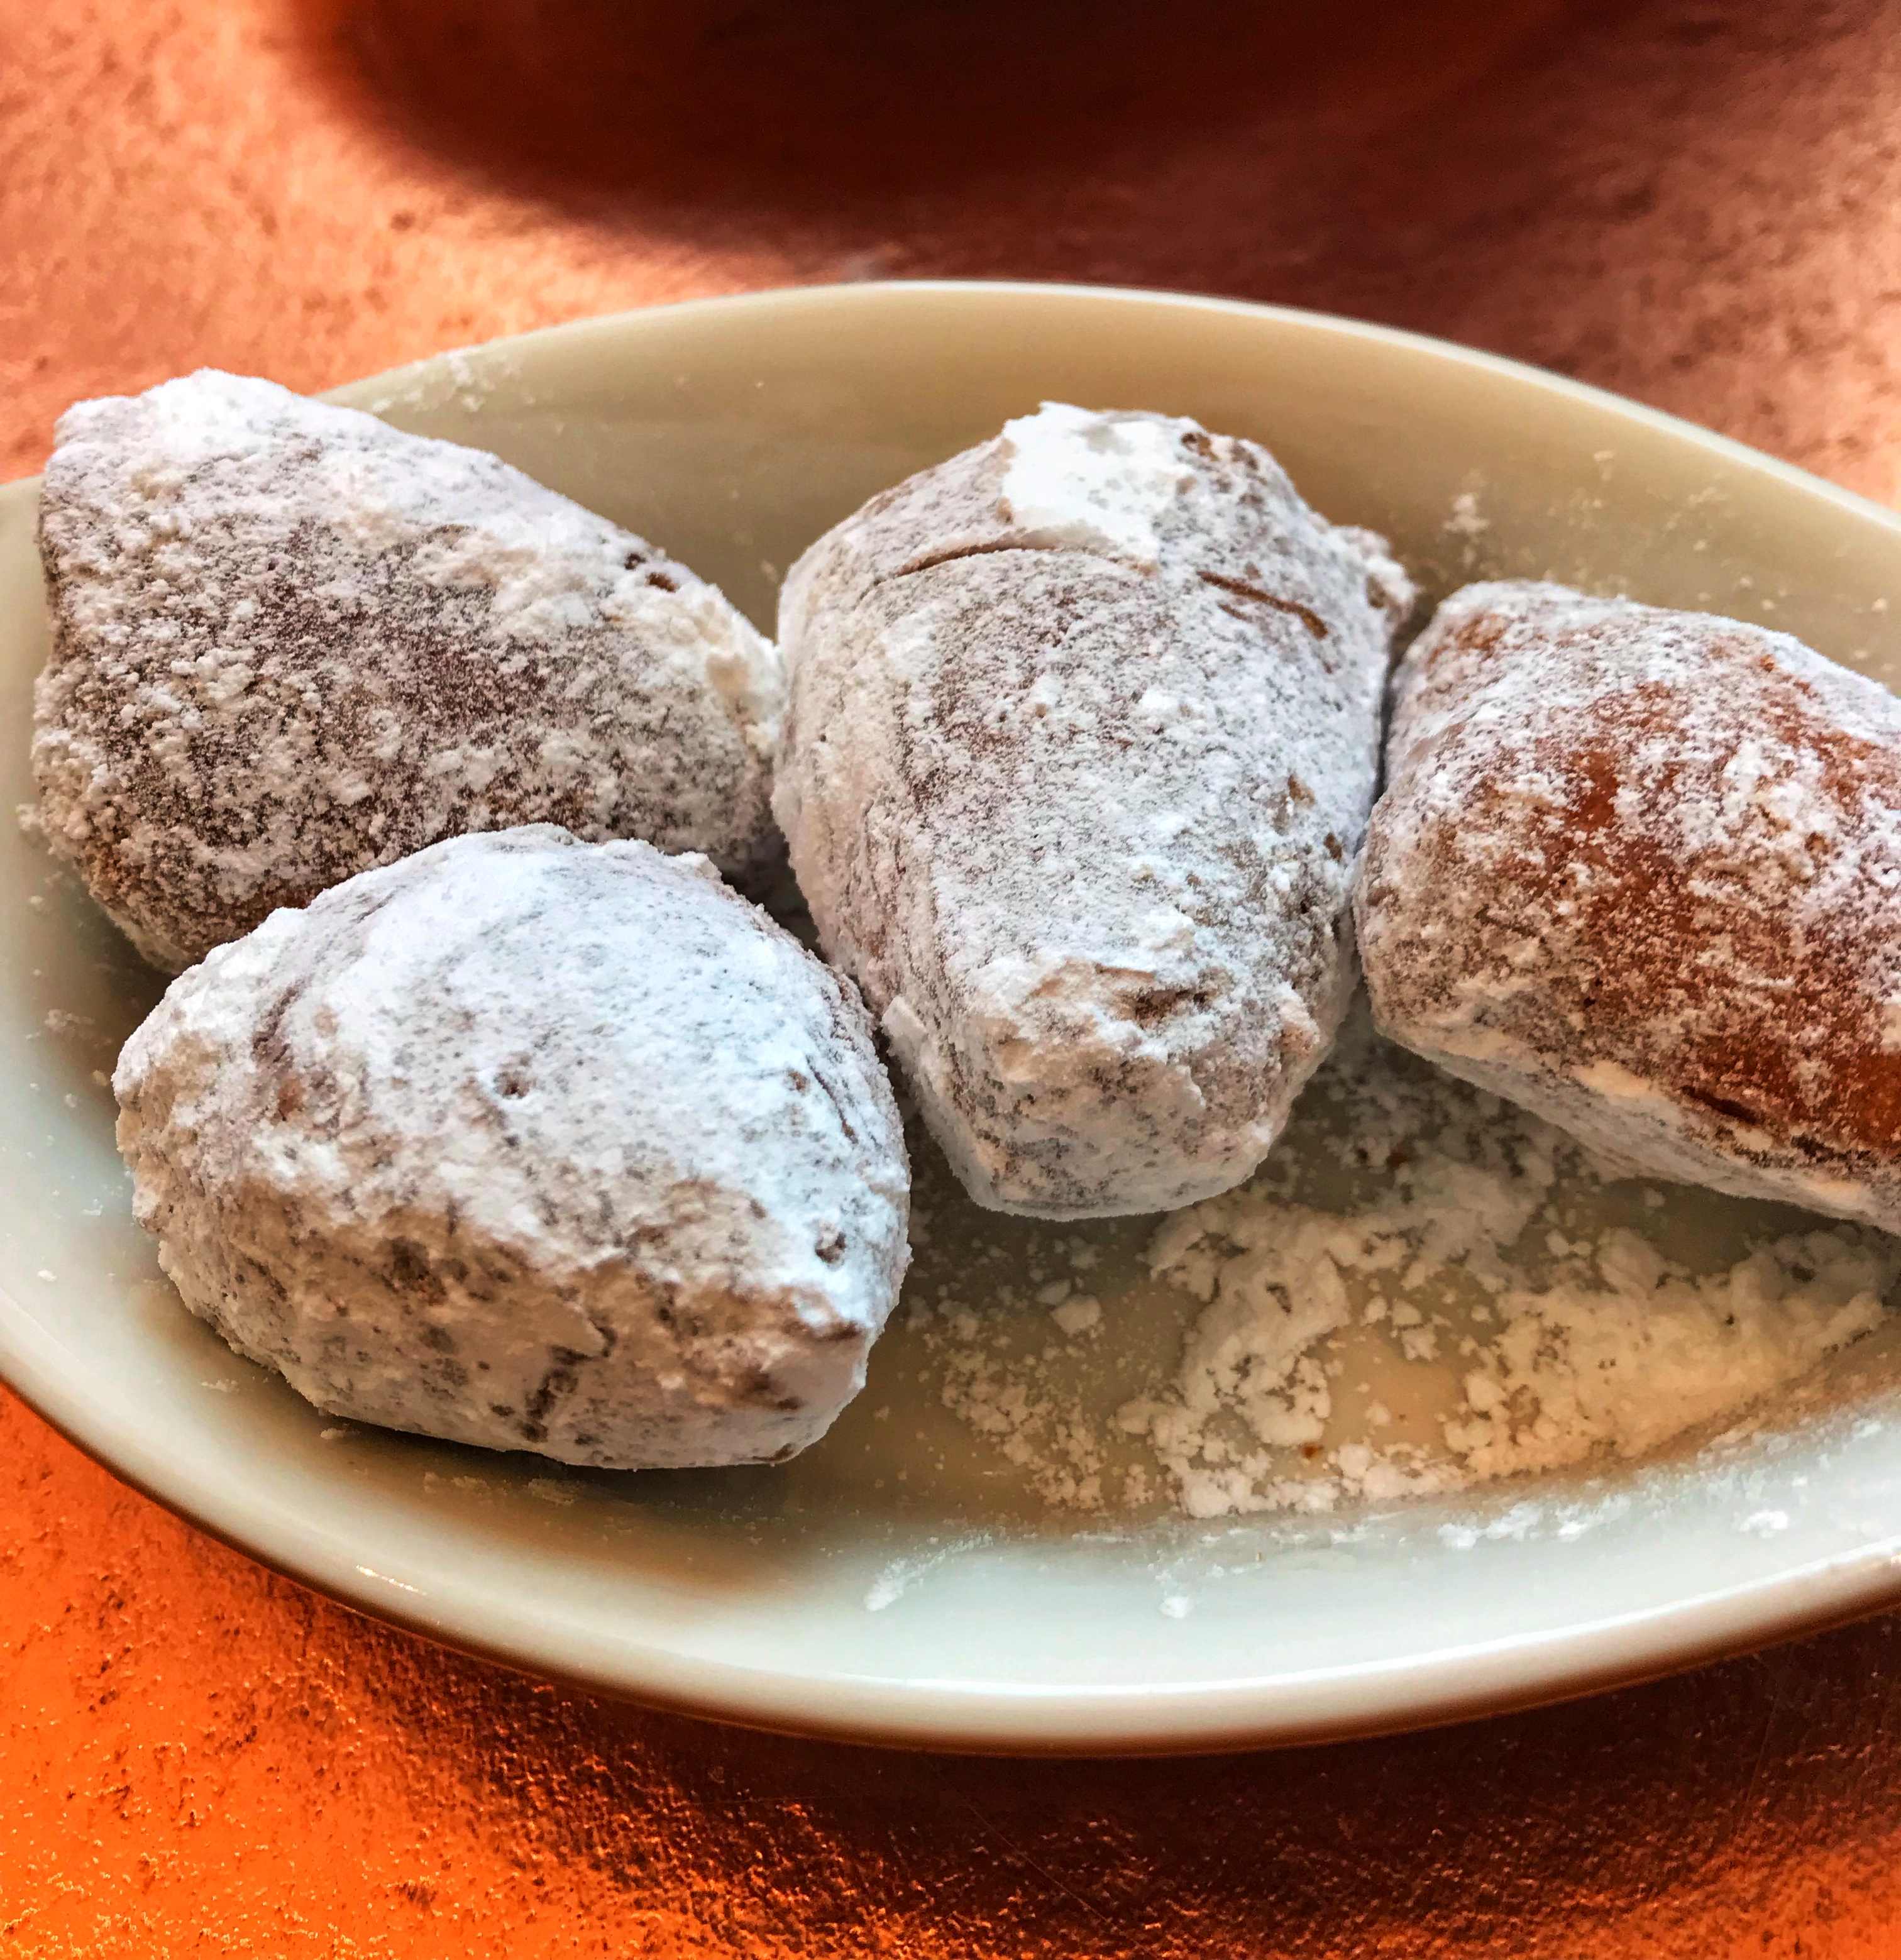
[(1082, 733), (1640, 871), (531, 1143), (290, 642)]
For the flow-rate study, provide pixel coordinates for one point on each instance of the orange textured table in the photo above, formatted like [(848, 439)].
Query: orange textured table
[(1699, 204)]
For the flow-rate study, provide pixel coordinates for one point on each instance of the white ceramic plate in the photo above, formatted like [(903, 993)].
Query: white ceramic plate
[(899, 1584)]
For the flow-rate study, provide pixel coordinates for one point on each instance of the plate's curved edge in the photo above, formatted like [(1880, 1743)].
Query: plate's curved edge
[(1524, 1671), (606, 325), (908, 291), (1478, 1680)]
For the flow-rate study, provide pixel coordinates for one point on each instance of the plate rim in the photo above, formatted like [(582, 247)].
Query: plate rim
[(1435, 1689), (1229, 1717)]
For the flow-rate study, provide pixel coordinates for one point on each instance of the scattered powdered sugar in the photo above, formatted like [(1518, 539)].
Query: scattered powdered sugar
[(1765, 1524), (1423, 1288), (1468, 524), (901, 1575), (1053, 1439), (1079, 1316), (1636, 1352)]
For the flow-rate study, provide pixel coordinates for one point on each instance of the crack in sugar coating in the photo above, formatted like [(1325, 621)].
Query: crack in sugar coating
[(291, 643), (530, 1143), (1082, 736), (1642, 870)]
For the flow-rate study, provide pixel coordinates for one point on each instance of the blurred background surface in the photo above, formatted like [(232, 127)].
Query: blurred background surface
[(1696, 204)]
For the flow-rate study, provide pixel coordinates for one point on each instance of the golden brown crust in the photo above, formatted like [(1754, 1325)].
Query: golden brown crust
[(1650, 862)]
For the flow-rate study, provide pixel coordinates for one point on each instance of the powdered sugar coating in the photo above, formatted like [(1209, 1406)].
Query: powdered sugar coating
[(1641, 871), (530, 1143), (291, 643), (1081, 735)]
